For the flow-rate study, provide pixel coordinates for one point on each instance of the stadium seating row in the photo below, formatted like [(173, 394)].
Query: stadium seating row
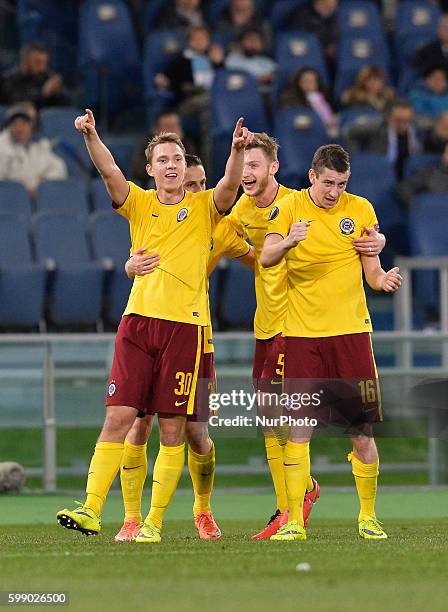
[(76, 271), (111, 67)]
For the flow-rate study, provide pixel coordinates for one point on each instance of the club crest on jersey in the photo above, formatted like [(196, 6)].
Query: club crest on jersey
[(347, 226), (112, 389), (182, 214), (274, 213)]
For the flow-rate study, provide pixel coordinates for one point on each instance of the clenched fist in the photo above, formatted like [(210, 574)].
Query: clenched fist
[(391, 280), (298, 232)]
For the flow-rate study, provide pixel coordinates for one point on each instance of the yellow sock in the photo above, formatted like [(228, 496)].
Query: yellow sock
[(366, 479), (309, 484), (297, 471), (274, 454), (133, 471), (103, 468), (202, 472), (166, 474)]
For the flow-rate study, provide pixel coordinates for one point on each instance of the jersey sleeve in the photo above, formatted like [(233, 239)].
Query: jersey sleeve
[(215, 215), (234, 245), (234, 219), (281, 218), (369, 217), (133, 206)]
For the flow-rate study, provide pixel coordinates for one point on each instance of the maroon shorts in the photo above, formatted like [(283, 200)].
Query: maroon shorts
[(269, 362), (336, 378), (157, 366)]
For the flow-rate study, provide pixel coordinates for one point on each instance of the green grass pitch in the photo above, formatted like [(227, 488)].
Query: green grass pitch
[(406, 572)]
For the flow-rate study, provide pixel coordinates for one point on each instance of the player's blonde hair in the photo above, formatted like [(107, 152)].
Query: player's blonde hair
[(267, 143), (162, 138)]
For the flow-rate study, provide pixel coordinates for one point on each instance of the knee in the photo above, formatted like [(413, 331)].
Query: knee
[(198, 438), (140, 431), (118, 422), (365, 449)]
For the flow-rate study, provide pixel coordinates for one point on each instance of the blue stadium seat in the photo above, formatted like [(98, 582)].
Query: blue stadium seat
[(22, 282), (235, 94), (406, 48), (160, 47), (427, 230), (100, 198), (214, 10), (360, 17), (423, 160), (76, 294), (416, 17), (300, 132), (67, 194), (111, 240), (109, 58), (295, 50), (280, 12), (358, 116), (122, 148), (353, 53), (14, 199), (57, 124), (152, 11), (238, 306), (55, 24), (365, 170), (428, 222)]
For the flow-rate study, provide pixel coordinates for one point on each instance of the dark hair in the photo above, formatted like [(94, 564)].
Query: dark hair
[(293, 95), (332, 157), (193, 161)]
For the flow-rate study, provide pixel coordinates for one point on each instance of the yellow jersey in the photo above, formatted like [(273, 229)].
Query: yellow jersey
[(181, 234), (251, 221), (226, 242), (325, 280)]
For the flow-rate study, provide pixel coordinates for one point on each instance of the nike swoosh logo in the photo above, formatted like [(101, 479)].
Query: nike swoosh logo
[(155, 215), (180, 403), (157, 482), (286, 464), (132, 468)]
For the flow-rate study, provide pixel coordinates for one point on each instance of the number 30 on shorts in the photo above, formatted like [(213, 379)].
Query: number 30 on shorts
[(184, 380)]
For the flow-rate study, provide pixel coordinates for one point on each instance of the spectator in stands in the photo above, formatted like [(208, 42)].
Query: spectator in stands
[(369, 91), (435, 53), (190, 75), (240, 16), (432, 179), (166, 121), (319, 17), (436, 138), (33, 81), (430, 96), (251, 56), (23, 157), (306, 89), (396, 136), (180, 14)]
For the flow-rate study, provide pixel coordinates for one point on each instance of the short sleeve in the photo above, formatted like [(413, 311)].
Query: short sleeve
[(215, 215), (130, 207), (369, 217), (234, 219), (281, 218)]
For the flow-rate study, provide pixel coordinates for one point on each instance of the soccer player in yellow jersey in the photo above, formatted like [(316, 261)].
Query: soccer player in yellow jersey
[(159, 343), (201, 460), (250, 216), (327, 327)]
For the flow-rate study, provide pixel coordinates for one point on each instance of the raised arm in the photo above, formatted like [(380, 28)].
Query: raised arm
[(275, 247), (227, 188), (114, 180), (377, 278)]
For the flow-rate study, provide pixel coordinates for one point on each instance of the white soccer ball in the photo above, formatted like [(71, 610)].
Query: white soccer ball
[(303, 567)]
